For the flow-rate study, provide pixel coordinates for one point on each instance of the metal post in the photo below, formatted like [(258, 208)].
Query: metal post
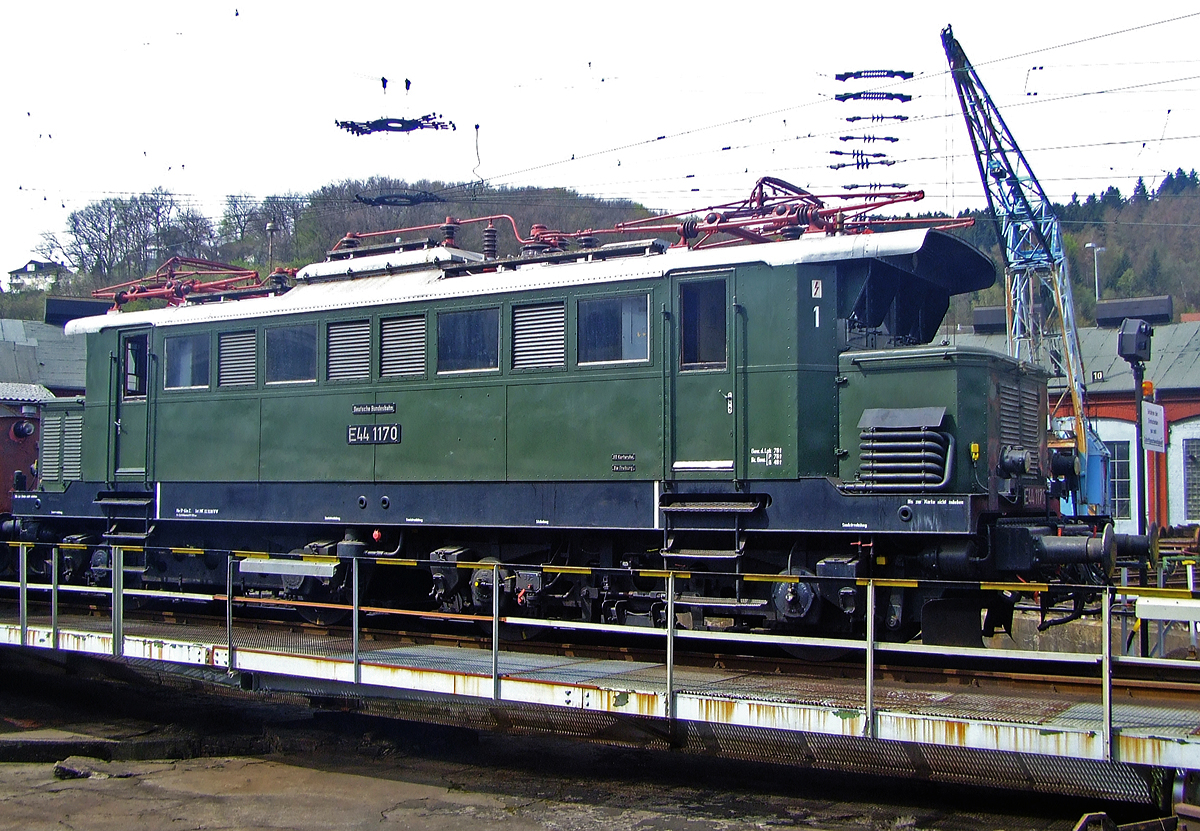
[(1139, 374), (869, 729), (54, 598), (117, 561), (1106, 659), (671, 645), (1191, 583), (1161, 624), (23, 565), (1124, 612), (357, 667), (229, 612), (496, 631)]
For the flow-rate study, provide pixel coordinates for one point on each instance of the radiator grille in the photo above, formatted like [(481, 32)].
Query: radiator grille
[(72, 447), (61, 447), (50, 465), (907, 458), (1020, 418)]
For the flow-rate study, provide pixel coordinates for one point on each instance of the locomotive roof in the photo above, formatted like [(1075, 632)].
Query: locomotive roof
[(943, 259)]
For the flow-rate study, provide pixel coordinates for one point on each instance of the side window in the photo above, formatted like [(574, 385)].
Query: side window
[(291, 354), (613, 329), (237, 359), (1118, 478), (187, 361), (468, 341), (402, 346), (348, 350), (702, 324), (135, 370), (1191, 478), (539, 336)]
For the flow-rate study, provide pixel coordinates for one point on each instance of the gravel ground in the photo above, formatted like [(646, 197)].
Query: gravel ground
[(278, 766)]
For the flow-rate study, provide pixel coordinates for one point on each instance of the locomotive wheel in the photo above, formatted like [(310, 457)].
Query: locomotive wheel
[(798, 604), (314, 591)]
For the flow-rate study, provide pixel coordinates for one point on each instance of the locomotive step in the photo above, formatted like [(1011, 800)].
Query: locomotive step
[(124, 501), (114, 534), (711, 507), (719, 602), (702, 554)]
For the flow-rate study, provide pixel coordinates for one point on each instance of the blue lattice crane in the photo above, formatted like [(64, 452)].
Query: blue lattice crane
[(1039, 310)]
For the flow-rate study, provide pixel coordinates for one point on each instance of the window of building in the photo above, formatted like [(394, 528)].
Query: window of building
[(187, 361), (402, 346), (291, 354), (136, 369), (1118, 478), (468, 341), (702, 324), (614, 329), (539, 336), (1191, 478), (348, 351)]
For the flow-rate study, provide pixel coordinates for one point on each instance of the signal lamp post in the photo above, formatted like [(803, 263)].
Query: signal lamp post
[(271, 229), (1096, 264), (1133, 344)]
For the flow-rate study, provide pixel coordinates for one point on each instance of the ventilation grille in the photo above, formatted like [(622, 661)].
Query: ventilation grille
[(539, 336), (349, 354), (904, 459), (403, 346), (62, 447), (237, 361), (50, 465), (1020, 419), (72, 452)]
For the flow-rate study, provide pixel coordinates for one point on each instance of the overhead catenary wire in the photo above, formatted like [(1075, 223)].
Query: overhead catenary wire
[(198, 201)]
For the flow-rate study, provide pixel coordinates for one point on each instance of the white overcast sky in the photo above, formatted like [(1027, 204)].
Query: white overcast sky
[(240, 97)]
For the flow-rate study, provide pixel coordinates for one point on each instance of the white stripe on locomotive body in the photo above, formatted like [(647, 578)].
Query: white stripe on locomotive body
[(513, 276)]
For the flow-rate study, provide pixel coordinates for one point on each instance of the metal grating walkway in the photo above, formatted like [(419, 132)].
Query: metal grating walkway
[(951, 732)]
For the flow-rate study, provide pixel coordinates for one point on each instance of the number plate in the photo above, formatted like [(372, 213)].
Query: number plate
[(373, 434)]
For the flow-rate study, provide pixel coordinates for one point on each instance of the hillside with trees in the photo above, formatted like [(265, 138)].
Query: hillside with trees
[(117, 239), (1150, 237), (1151, 240)]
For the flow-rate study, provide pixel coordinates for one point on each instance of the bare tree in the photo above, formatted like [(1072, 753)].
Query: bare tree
[(241, 214)]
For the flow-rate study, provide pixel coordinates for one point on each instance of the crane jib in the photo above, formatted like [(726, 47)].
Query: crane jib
[(1030, 238)]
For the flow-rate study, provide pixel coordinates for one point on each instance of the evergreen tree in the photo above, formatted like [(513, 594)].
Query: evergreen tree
[(1140, 194)]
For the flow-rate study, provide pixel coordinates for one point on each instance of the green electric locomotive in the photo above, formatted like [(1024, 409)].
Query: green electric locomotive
[(772, 407)]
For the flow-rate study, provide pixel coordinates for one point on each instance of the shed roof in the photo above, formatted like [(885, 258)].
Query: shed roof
[(1174, 358), (38, 353), (24, 393)]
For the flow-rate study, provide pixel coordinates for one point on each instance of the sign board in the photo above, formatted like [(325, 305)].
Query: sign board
[(1154, 427)]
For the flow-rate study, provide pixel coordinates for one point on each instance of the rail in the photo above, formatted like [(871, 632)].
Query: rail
[(1113, 599)]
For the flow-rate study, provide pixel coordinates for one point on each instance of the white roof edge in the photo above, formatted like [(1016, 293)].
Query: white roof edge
[(429, 284), (387, 262)]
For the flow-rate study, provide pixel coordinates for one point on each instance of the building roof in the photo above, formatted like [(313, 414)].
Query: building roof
[(38, 267), (38, 353), (24, 393), (1174, 358)]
